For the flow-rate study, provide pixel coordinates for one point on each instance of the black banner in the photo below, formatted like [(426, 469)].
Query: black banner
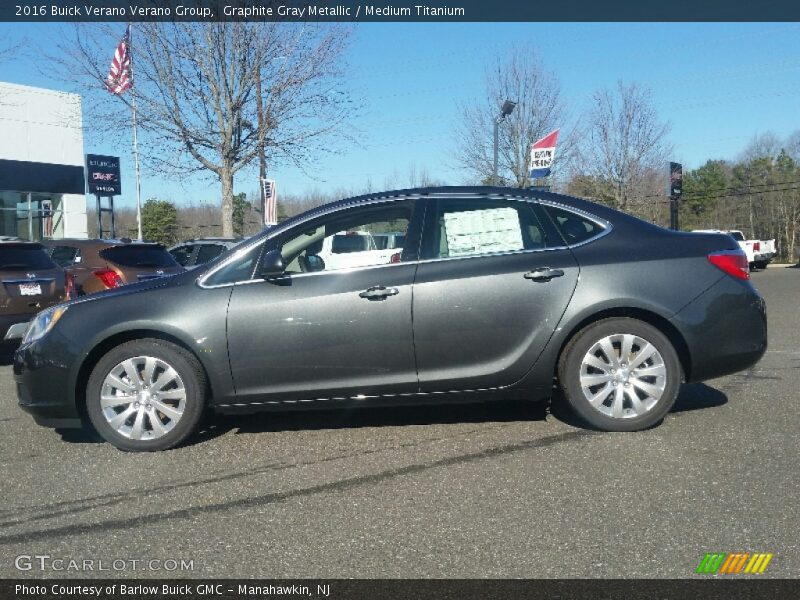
[(27, 176), (398, 10), (102, 175), (440, 589)]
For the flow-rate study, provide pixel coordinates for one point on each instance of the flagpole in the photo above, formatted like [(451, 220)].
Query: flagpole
[(135, 144)]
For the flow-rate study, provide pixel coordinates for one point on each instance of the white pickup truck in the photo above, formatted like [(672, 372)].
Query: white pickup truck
[(356, 249), (759, 252)]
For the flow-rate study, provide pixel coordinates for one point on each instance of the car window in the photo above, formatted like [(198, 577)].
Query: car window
[(208, 251), (139, 256), (474, 227), (347, 240), (182, 254), (22, 258), (239, 269), (63, 256), (573, 227), (354, 241)]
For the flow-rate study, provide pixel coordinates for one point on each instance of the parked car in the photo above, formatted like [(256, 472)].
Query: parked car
[(29, 282), (98, 265), (193, 253), (509, 290)]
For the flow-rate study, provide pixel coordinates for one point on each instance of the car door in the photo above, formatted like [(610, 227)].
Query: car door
[(490, 290), (315, 334)]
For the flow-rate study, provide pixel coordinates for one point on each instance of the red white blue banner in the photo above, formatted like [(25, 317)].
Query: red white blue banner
[(542, 153)]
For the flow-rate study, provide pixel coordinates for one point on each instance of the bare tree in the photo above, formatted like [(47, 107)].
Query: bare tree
[(195, 86), (522, 78), (624, 145)]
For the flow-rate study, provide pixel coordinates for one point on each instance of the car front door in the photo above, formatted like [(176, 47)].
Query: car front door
[(490, 290), (319, 334)]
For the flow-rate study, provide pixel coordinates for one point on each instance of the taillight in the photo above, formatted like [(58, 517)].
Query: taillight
[(757, 246), (69, 286), (109, 278), (395, 258), (732, 262)]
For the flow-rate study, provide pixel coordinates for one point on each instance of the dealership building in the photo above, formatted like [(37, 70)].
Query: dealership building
[(42, 186)]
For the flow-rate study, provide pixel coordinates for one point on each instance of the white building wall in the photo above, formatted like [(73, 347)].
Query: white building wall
[(41, 125)]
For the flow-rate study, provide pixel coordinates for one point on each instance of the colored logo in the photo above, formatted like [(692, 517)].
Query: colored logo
[(734, 563)]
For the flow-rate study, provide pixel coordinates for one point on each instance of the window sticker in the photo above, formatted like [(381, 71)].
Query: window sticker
[(483, 231)]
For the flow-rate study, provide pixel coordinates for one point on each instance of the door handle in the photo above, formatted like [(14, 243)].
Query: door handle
[(378, 292), (545, 274)]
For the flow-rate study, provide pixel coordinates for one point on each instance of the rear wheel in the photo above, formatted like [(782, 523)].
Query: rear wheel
[(620, 374), (146, 395)]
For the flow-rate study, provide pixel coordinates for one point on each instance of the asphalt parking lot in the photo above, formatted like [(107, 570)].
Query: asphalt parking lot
[(511, 490)]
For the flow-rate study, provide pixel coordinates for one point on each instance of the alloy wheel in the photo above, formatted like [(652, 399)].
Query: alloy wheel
[(143, 398), (623, 376)]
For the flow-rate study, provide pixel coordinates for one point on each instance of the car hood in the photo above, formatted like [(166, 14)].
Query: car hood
[(136, 288)]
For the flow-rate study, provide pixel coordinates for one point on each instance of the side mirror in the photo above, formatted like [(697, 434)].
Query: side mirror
[(272, 264)]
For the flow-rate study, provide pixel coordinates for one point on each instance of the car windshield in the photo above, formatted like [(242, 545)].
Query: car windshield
[(141, 256), (21, 258)]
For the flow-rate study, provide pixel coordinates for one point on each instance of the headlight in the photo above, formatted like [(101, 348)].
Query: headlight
[(42, 323)]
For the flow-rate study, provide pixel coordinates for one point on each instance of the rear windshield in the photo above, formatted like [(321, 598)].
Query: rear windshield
[(737, 235), (137, 256), (22, 258)]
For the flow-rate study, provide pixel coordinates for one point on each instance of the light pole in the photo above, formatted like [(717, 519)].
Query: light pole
[(505, 110)]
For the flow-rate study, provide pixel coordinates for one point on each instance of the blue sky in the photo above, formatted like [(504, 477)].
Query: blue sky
[(718, 85)]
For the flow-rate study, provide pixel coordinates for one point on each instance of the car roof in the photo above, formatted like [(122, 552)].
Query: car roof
[(570, 202), (96, 242), (211, 240), (20, 244)]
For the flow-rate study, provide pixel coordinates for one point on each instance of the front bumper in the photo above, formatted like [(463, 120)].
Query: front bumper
[(42, 376), (725, 329)]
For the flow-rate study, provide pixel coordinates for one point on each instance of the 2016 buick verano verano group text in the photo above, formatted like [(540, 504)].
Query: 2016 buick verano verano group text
[(494, 293)]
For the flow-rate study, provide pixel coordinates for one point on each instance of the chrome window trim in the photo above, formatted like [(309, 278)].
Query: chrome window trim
[(606, 226), (278, 230)]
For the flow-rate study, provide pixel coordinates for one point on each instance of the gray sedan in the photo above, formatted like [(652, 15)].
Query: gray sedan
[(496, 293)]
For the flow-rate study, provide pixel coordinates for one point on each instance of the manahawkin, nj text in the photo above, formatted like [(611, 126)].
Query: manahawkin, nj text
[(255, 11)]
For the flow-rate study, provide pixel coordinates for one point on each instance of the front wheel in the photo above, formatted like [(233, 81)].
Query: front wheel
[(620, 374), (146, 395)]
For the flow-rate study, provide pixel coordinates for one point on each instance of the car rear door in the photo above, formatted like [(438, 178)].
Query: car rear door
[(492, 286)]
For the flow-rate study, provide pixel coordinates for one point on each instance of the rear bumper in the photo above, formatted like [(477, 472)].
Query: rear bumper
[(725, 329), (43, 378), (766, 257)]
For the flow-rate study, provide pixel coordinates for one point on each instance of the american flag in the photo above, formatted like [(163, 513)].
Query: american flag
[(119, 78), (270, 201)]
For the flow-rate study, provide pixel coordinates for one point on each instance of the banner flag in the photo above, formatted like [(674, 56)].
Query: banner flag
[(542, 153)]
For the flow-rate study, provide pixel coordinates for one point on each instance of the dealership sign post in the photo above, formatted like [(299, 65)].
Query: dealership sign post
[(103, 178), (675, 193)]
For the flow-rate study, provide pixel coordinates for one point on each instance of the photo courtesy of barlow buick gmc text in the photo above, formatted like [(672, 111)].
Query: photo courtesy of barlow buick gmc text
[(351, 301)]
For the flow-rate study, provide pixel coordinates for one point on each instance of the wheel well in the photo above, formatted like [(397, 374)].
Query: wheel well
[(107, 344), (651, 318)]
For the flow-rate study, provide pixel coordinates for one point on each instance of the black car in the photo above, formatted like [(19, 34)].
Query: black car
[(497, 294)]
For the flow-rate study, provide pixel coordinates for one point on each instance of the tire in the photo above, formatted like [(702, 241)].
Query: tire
[(654, 382), (158, 418), (760, 265)]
